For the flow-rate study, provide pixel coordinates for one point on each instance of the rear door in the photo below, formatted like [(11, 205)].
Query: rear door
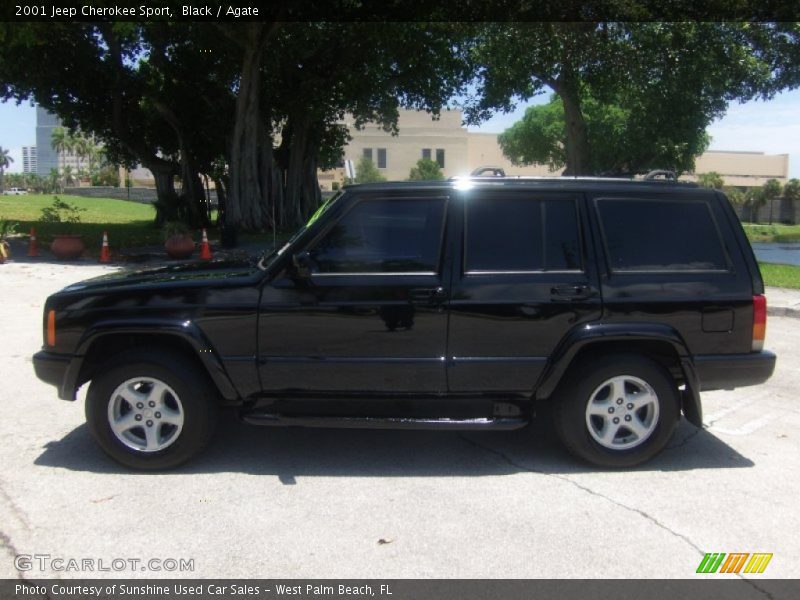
[(670, 257), (523, 279)]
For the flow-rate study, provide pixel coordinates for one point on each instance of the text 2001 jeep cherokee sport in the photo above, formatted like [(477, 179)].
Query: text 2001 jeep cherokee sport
[(452, 305)]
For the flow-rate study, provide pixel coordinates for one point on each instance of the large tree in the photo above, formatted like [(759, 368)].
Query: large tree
[(680, 74), (254, 185), (623, 141), (147, 91), (359, 72)]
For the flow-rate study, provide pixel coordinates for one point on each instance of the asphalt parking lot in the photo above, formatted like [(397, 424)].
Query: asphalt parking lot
[(272, 503)]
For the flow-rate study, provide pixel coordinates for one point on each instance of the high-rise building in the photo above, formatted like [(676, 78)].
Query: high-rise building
[(47, 158), (29, 162)]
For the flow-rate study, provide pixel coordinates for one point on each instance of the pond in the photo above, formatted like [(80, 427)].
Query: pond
[(786, 254)]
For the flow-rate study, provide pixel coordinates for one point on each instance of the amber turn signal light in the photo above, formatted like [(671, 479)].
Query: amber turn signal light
[(51, 328)]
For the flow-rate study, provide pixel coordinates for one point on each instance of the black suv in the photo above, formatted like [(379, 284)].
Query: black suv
[(450, 305)]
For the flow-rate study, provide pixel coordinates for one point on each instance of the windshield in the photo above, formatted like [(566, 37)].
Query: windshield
[(271, 255)]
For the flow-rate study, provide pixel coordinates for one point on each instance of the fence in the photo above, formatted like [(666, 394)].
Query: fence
[(777, 210), (141, 195)]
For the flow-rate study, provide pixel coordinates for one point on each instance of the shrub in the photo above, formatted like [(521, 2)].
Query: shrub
[(61, 212), (367, 172), (426, 170)]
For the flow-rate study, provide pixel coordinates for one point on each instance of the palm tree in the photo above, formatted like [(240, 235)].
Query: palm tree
[(69, 176), (59, 141), (5, 162), (53, 181), (81, 147)]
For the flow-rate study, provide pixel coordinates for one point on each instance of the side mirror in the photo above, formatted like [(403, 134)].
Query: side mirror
[(303, 262)]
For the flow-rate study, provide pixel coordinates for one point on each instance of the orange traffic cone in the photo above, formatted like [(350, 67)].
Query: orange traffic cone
[(205, 249), (104, 255), (33, 249)]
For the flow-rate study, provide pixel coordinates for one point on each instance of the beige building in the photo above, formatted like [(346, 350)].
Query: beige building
[(443, 140), (746, 169), (459, 152)]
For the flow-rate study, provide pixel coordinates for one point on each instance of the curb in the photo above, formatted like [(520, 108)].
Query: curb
[(783, 311)]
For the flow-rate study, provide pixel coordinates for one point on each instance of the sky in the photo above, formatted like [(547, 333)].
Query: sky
[(772, 127)]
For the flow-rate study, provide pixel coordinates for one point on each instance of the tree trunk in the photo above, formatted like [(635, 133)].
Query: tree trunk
[(576, 144), (191, 201), (302, 194), (192, 196), (164, 176), (252, 191)]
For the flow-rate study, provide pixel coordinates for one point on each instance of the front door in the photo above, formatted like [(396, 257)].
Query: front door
[(366, 312)]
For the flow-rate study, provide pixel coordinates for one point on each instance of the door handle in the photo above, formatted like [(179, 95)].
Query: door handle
[(436, 294), (572, 291)]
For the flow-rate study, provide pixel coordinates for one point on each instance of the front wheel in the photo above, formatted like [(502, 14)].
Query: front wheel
[(150, 411), (617, 411)]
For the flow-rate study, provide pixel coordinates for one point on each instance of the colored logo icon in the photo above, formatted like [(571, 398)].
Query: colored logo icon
[(720, 562)]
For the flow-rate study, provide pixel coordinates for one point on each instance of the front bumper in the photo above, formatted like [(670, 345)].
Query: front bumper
[(52, 368), (729, 371)]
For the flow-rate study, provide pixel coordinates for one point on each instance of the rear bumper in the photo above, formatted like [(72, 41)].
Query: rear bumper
[(728, 371), (52, 368)]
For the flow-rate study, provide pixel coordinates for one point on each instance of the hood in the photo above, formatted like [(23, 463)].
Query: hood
[(200, 274)]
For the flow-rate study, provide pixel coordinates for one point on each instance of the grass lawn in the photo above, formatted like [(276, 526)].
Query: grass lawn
[(772, 233), (128, 223), (786, 276)]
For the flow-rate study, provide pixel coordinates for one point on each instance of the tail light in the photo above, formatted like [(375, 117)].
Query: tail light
[(759, 321), (51, 328)]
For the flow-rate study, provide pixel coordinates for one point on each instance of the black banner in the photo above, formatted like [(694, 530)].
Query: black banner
[(400, 10), (709, 588)]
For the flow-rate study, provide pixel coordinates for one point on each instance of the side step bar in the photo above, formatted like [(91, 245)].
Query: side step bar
[(278, 420)]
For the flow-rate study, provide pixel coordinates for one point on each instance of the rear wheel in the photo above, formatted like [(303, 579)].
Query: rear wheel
[(150, 410), (617, 411)]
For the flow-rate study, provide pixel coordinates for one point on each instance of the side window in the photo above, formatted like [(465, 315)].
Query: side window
[(562, 246), (521, 234), (660, 235), (384, 236)]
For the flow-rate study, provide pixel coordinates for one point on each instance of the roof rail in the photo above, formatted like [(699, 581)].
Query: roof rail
[(661, 174)]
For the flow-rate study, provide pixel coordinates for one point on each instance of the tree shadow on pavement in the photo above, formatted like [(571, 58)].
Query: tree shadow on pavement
[(296, 452)]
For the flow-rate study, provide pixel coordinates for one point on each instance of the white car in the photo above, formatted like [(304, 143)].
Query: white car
[(15, 192)]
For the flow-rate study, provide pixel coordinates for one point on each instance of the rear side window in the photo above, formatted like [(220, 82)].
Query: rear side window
[(384, 236), (521, 234), (660, 235)]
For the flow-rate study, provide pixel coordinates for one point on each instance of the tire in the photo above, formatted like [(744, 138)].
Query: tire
[(588, 402), (163, 406)]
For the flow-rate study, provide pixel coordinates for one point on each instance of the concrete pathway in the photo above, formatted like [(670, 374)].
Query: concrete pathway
[(783, 302)]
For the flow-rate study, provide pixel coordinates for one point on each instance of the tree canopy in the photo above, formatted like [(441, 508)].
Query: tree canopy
[(622, 142), (712, 179), (668, 77), (258, 107)]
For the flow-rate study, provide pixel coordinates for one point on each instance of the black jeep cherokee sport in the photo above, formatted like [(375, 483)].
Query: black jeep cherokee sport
[(452, 305)]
